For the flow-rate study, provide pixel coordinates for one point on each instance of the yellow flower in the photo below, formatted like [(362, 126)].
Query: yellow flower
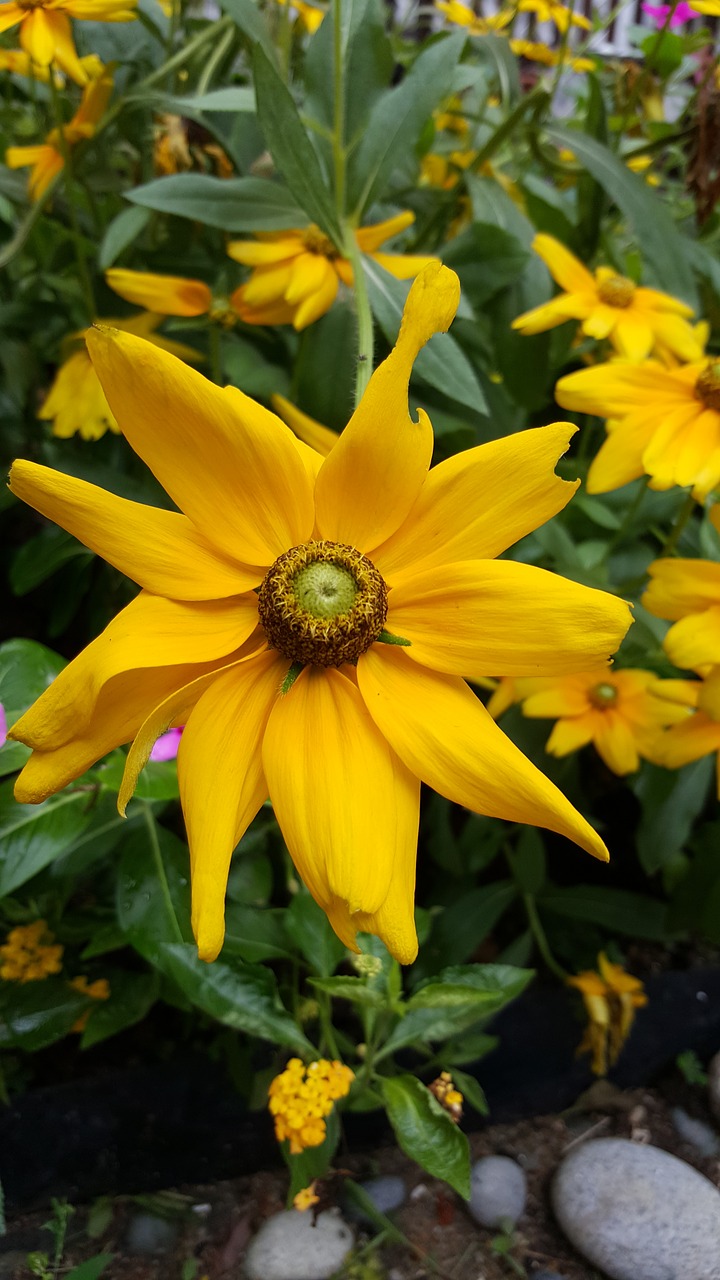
[(306, 1198), (28, 954), (282, 558), (641, 164), (609, 306), (450, 119), (665, 423), (98, 990), (538, 51), (461, 15), (611, 998), (310, 16), (47, 158), (698, 732), (46, 34), (174, 153), (552, 11), (687, 593), (76, 403), (620, 712), (296, 274), (300, 1098)]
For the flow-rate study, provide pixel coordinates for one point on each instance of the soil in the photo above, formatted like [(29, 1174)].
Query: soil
[(214, 1222)]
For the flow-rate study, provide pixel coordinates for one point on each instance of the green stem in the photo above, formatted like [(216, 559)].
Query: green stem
[(533, 100), (173, 25), (327, 1034), (363, 315), (83, 272), (339, 157), (161, 873), (677, 530), (214, 61), (540, 937)]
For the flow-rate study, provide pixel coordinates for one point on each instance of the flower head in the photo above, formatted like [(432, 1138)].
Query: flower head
[(309, 620), (611, 997), (664, 423), (30, 953), (553, 11), (97, 990), (48, 158), (301, 1097), (687, 593), (296, 274), (679, 14), (697, 733), (450, 1098), (539, 51), (181, 144), (609, 306), (461, 15), (620, 712), (46, 33), (76, 403)]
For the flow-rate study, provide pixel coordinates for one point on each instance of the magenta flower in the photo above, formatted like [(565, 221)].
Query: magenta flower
[(166, 746), (683, 13)]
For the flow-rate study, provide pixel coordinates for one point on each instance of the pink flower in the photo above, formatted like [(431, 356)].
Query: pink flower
[(683, 13), (166, 747)]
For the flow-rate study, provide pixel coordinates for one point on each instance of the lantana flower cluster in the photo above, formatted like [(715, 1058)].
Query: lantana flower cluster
[(302, 1096), (30, 953)]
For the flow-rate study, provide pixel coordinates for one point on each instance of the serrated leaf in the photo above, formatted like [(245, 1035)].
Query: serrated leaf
[(232, 204), (426, 1133)]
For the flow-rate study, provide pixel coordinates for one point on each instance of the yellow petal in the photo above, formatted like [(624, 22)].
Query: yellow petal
[(229, 464), (615, 744), (167, 295), (499, 617), (550, 314), (600, 322), (150, 633), (444, 734), (612, 390), (369, 482), (257, 253), (10, 15), (678, 587), (563, 266), (695, 641), (221, 781), (347, 808), (404, 266), (319, 301), (696, 737), (632, 337), (371, 238), (620, 459), (313, 433), (160, 550), (37, 34), (569, 735), (479, 502)]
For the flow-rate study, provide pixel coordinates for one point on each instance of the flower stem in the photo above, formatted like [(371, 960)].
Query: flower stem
[(538, 932), (339, 157), (363, 314), (76, 235)]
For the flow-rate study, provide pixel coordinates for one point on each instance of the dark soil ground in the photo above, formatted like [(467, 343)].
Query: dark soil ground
[(214, 1223)]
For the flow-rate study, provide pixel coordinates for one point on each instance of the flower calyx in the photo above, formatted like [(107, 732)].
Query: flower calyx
[(322, 604)]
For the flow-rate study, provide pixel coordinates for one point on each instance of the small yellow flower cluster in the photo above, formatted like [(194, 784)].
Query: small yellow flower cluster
[(306, 1198), (27, 955), (450, 1098), (300, 1098), (98, 990)]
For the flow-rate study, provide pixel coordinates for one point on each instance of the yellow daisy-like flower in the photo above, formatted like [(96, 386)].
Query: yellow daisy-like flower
[(609, 306), (296, 274), (611, 997), (97, 990), (461, 15), (553, 11), (687, 593), (28, 953), (309, 16), (309, 622), (46, 33), (76, 403), (538, 51), (620, 712), (47, 158), (698, 732), (664, 423)]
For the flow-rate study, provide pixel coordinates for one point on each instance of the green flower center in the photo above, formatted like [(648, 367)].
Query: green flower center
[(322, 604), (707, 387), (603, 695), (617, 291)]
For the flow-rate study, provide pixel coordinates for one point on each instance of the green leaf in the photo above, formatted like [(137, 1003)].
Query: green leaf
[(487, 258), (469, 1047), (132, 995), (459, 997), (256, 933), (92, 1269), (366, 57), (233, 204), (124, 230), (326, 367), (630, 913), (497, 52), (356, 990), (440, 363), (251, 21), (32, 836), (462, 926), (237, 98), (40, 557), (663, 246), (26, 671), (397, 119), (36, 1014), (153, 890), (470, 1089), (158, 780), (426, 1133), (291, 148), (310, 930), (313, 1162), (528, 861), (671, 802)]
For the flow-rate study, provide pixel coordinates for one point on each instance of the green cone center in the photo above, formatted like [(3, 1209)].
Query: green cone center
[(617, 291), (325, 589), (603, 695), (322, 604)]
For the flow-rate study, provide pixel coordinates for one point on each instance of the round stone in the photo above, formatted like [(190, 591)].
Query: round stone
[(289, 1247), (638, 1213), (387, 1193), (147, 1233), (698, 1133), (498, 1191), (713, 1074)]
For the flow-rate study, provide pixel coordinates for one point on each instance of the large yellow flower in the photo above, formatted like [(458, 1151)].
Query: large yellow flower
[(620, 712), (687, 593), (310, 620), (45, 31), (296, 274), (698, 733), (665, 423), (76, 403), (610, 306), (47, 158), (611, 997)]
